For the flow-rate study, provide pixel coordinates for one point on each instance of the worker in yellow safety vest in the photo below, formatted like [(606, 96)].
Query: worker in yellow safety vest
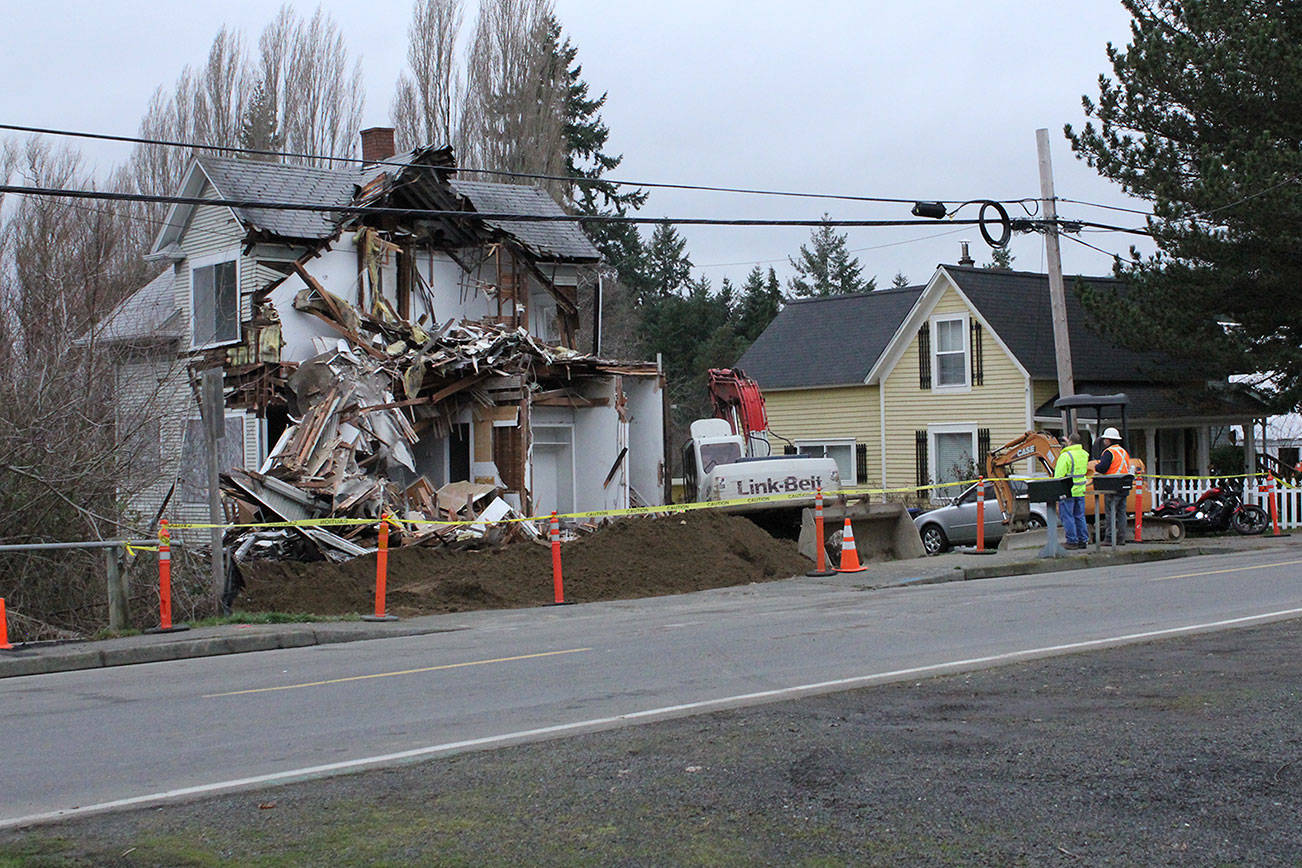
[(1073, 462), (1114, 459)]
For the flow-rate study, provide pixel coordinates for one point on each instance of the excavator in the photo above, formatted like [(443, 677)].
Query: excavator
[(728, 458), (1042, 449)]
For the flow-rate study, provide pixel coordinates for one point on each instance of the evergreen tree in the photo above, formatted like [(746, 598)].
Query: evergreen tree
[(899, 281), (761, 299), (825, 266), (667, 265), (1001, 259), (1204, 120), (259, 129)]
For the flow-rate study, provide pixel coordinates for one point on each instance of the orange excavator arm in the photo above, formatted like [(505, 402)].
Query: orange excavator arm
[(737, 398), (1033, 445)]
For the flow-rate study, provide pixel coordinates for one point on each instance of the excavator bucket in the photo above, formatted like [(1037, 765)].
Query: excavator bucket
[(882, 531)]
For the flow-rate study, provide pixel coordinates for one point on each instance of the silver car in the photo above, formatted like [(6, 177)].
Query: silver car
[(955, 523)]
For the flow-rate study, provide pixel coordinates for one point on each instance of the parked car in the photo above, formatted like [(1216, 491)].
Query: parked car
[(955, 523)]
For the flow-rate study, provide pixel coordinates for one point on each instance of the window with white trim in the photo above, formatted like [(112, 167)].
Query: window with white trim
[(840, 451), (953, 450), (949, 352), (214, 301)]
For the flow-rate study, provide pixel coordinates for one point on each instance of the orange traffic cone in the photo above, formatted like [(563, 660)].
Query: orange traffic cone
[(4, 627), (849, 554)]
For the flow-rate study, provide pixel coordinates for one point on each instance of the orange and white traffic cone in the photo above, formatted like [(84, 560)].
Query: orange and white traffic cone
[(849, 554)]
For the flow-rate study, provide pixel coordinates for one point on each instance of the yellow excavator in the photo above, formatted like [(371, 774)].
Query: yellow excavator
[(1043, 449)]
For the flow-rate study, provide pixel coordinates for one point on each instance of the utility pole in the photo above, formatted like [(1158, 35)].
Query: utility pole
[(212, 407), (1057, 295)]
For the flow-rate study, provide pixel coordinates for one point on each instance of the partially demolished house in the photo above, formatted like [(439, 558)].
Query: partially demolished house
[(398, 343)]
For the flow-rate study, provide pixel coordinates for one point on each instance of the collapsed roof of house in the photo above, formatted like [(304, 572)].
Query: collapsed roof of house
[(386, 380)]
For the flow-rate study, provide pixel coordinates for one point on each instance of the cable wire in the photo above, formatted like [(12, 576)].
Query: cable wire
[(231, 149), (255, 204)]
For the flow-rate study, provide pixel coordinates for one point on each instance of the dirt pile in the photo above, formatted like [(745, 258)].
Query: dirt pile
[(633, 557)]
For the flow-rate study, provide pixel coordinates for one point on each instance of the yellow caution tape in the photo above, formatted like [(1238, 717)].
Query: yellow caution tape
[(672, 508)]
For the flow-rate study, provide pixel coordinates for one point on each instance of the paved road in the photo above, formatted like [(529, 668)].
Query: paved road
[(127, 735)]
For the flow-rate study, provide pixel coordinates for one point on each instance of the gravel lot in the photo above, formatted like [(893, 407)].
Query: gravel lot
[(1180, 752)]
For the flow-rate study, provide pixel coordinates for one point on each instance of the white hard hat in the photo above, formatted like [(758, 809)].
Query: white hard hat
[(1111, 434)]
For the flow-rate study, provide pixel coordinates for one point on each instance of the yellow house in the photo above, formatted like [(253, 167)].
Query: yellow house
[(910, 386)]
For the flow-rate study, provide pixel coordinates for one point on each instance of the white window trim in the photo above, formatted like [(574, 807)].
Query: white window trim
[(836, 441), (210, 259), (932, 430), (966, 330)]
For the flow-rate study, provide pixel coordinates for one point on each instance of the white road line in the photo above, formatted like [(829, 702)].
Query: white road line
[(647, 715)]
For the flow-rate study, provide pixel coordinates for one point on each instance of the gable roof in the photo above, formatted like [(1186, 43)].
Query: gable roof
[(839, 340), (280, 182), (255, 180), (832, 341), (1016, 305)]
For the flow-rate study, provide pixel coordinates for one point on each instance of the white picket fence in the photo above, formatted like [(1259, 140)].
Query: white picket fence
[(1289, 497)]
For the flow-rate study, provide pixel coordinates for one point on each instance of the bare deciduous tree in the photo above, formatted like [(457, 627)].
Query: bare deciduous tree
[(65, 443), (425, 105), (318, 92), (514, 108)]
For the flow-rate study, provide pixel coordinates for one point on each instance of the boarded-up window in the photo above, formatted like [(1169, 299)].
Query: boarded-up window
[(194, 456), (215, 309)]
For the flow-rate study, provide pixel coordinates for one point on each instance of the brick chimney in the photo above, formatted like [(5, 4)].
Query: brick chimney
[(377, 144)]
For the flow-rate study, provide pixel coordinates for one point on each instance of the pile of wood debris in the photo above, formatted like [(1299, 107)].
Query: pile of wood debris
[(355, 411)]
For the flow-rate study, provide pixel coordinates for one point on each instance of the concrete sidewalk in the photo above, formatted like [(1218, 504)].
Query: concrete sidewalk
[(44, 658)]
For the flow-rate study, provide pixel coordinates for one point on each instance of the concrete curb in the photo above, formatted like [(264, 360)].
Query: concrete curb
[(45, 660)]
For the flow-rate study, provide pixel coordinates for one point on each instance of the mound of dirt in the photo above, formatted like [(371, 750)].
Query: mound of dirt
[(632, 557)]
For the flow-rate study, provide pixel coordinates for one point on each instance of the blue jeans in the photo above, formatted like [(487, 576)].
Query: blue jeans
[(1071, 512)]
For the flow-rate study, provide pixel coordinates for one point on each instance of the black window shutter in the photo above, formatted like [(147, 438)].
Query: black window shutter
[(920, 457), (860, 462), (924, 357), (983, 450), (978, 356)]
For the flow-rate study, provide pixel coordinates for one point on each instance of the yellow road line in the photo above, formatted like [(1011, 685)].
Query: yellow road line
[(401, 672), (1230, 570)]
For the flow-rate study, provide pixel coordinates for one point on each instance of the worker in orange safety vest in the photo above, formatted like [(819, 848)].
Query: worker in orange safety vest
[(1114, 459)]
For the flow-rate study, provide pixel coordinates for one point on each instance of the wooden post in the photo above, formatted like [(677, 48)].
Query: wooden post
[(117, 589), (1057, 295), (213, 408)]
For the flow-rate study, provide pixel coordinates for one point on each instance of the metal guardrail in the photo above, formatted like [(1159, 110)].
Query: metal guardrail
[(115, 576)]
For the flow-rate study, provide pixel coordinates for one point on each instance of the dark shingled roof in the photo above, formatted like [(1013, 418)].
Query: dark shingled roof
[(831, 341), (306, 185), (1016, 304), (149, 313), (565, 240), (278, 182)]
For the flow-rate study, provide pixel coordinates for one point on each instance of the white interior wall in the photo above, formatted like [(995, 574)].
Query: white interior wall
[(645, 411)]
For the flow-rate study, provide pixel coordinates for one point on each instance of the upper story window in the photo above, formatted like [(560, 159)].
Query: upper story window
[(950, 364), (214, 301)]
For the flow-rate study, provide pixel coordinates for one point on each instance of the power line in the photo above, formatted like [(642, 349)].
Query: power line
[(255, 204), (1091, 246), (538, 176), (1106, 207), (854, 250)]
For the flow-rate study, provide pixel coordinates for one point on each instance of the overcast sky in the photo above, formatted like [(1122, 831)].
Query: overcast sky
[(917, 99)]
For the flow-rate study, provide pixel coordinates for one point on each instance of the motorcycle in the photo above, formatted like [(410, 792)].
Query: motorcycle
[(1219, 508)]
